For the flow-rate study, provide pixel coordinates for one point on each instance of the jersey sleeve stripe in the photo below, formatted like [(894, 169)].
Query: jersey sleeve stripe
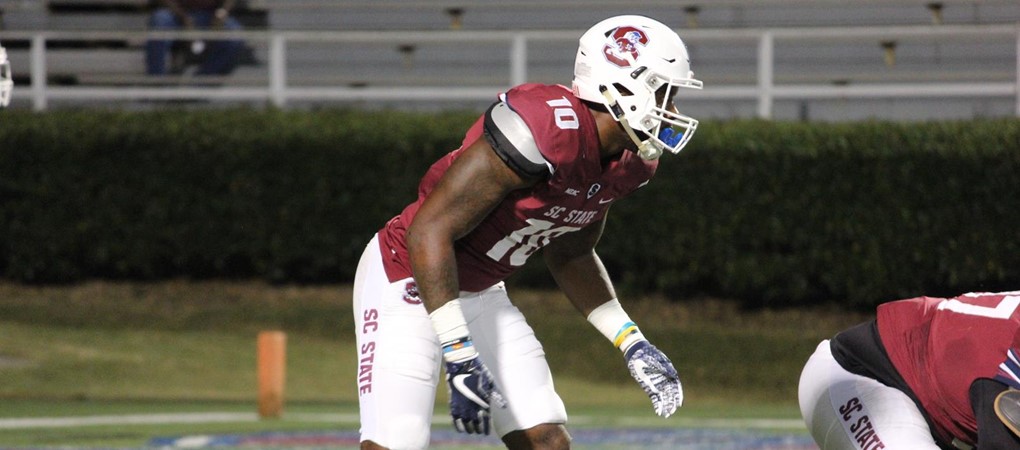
[(1009, 370), (510, 137)]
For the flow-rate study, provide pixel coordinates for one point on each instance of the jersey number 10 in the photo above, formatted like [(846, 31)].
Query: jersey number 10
[(566, 118), (527, 240)]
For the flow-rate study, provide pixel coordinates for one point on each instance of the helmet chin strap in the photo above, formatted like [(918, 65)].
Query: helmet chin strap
[(645, 149)]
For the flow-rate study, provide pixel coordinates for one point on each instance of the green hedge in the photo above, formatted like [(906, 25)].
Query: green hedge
[(770, 213), (781, 213), (286, 195)]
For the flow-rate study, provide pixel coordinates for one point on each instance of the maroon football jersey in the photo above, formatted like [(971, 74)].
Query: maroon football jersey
[(940, 346), (577, 192)]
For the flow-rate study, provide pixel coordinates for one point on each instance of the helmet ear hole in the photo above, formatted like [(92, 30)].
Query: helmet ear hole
[(622, 90)]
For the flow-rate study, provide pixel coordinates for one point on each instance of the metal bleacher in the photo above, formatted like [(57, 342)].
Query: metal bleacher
[(826, 60), (86, 60)]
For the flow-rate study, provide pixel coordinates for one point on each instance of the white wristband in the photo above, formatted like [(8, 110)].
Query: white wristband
[(614, 323), (451, 328)]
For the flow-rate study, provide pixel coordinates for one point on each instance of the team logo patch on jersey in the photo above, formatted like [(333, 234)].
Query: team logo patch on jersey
[(594, 189), (411, 294), (625, 41)]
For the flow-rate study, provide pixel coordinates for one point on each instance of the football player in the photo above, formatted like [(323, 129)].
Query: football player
[(6, 83), (926, 373), (538, 170)]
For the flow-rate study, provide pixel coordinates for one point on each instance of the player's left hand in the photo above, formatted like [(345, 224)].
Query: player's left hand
[(657, 376), (472, 392)]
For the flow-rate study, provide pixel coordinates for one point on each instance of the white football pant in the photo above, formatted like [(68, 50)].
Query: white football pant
[(399, 359), (844, 411)]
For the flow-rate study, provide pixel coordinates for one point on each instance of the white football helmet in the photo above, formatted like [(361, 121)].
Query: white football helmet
[(6, 83), (634, 66)]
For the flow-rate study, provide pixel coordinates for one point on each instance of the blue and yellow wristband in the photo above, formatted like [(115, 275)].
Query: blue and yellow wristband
[(614, 323)]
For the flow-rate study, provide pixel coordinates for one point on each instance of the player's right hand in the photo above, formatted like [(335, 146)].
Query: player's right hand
[(472, 392), (657, 376)]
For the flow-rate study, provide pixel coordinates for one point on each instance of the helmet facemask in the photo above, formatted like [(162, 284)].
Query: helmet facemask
[(653, 122)]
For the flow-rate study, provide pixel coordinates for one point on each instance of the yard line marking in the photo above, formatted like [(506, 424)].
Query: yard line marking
[(742, 423), (155, 419), (692, 422), (339, 418), (131, 419)]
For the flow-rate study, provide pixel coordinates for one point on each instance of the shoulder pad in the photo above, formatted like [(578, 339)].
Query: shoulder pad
[(513, 141)]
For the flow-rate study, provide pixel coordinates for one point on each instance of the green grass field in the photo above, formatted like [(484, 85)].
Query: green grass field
[(114, 349)]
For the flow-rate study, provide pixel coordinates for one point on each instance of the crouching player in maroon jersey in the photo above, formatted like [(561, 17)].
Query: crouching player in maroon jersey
[(925, 374), (538, 170)]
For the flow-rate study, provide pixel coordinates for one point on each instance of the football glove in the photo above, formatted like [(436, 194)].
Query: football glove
[(657, 376), (472, 391)]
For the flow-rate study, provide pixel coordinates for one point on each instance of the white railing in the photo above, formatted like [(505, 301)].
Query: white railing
[(278, 92)]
